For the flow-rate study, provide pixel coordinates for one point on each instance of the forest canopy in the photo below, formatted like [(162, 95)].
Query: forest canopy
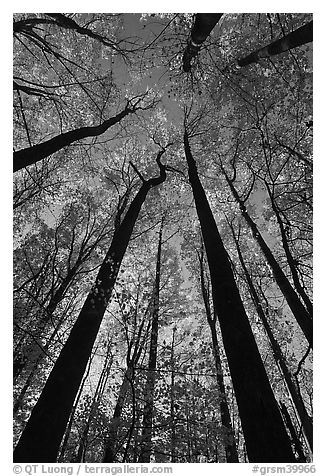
[(162, 237)]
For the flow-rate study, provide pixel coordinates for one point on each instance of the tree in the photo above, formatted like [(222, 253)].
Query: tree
[(43, 433), (230, 446), (296, 38), (146, 441), (299, 311), (249, 378), (306, 420), (203, 25), (134, 352), (211, 365), (35, 153)]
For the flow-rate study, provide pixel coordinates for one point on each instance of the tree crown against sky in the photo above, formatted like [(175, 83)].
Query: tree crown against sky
[(101, 106)]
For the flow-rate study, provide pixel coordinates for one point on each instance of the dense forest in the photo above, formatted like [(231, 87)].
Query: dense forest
[(162, 238)]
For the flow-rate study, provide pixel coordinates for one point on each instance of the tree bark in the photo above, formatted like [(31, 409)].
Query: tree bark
[(278, 354), (40, 440), (262, 424), (100, 387), (293, 433), (230, 446), (291, 262), (296, 38), (31, 155), (172, 409), (204, 24), (299, 311), (146, 438)]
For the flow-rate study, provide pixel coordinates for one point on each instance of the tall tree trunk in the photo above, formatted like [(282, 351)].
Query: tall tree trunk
[(44, 430), (296, 38), (35, 153), (56, 298), (293, 433), (230, 446), (291, 262), (39, 359), (262, 424), (204, 24), (110, 444), (299, 311), (172, 409), (64, 444), (110, 450), (100, 387), (277, 352), (146, 439), (127, 383)]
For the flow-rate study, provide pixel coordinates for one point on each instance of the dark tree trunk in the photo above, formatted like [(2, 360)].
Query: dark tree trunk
[(264, 432), (44, 430), (146, 438), (278, 354), (204, 24), (230, 445), (172, 408), (298, 309), (127, 383), (55, 299), (109, 454), (296, 38), (19, 400), (100, 387), (293, 433), (65, 439), (31, 155), (291, 262)]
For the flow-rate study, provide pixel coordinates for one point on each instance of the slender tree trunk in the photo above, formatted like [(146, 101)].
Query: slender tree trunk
[(278, 354), (100, 387), (296, 281), (230, 446), (114, 425), (110, 445), (172, 409), (293, 433), (296, 38), (35, 153), (299, 311), (57, 297), (40, 440), (19, 400), (127, 382), (262, 424), (146, 439)]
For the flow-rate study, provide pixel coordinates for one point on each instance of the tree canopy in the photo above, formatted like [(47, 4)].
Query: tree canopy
[(162, 237)]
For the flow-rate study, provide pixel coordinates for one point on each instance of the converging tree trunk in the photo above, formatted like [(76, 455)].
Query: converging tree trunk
[(172, 400), (264, 432), (146, 437), (35, 153), (298, 309), (293, 433), (296, 38), (110, 443), (44, 430), (100, 387), (305, 419), (204, 24), (291, 261), (231, 453)]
